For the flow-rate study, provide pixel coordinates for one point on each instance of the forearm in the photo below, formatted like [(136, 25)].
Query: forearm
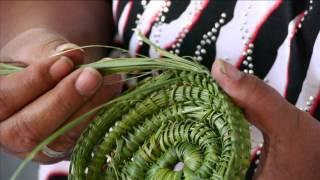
[(81, 22)]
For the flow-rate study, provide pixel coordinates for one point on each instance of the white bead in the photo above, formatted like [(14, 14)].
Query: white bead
[(174, 46), (310, 8), (305, 13), (246, 41), (250, 66), (249, 51), (163, 18), (178, 45), (138, 16), (180, 40), (205, 36), (144, 2), (171, 51), (224, 15), (251, 45), (214, 30), (203, 51), (197, 53), (221, 21), (258, 152), (168, 3), (177, 51), (140, 43), (208, 41), (249, 58), (309, 103), (198, 47), (209, 33), (213, 38), (244, 53), (202, 42), (257, 162), (189, 23), (216, 25), (165, 9), (260, 145), (251, 71), (245, 71), (311, 98), (245, 62), (299, 25), (199, 58)]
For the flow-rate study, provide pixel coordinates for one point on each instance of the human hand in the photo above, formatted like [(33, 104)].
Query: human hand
[(47, 94), (291, 137)]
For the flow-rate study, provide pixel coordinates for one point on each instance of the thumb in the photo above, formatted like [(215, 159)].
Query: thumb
[(263, 106), (36, 44)]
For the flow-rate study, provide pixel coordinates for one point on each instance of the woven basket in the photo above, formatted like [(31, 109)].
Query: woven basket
[(178, 117)]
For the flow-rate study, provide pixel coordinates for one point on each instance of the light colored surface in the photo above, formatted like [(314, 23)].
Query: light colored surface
[(256, 137), (8, 164)]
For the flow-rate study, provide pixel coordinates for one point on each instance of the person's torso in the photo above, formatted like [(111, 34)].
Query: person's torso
[(278, 41)]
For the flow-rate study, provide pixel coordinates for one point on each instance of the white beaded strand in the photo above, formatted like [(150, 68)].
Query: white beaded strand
[(176, 46), (208, 38)]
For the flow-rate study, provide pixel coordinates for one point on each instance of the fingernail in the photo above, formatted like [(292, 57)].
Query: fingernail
[(61, 68), (64, 47), (68, 46), (88, 82), (229, 70)]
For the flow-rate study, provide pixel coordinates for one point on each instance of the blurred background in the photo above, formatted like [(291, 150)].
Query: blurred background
[(8, 164)]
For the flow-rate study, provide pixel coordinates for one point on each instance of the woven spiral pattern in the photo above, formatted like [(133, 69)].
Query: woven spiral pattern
[(176, 117)]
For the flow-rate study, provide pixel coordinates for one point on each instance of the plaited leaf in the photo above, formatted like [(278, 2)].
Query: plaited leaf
[(186, 119)]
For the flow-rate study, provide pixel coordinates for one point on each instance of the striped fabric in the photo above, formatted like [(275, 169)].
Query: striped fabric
[(285, 35)]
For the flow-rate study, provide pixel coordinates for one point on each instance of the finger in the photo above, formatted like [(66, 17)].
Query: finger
[(38, 44), (43, 116), (67, 141), (19, 89), (105, 93), (264, 107)]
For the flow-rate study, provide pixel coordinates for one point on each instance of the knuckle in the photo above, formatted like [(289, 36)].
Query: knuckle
[(17, 138), (37, 74), (4, 107), (251, 93), (26, 134), (69, 138), (63, 103)]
